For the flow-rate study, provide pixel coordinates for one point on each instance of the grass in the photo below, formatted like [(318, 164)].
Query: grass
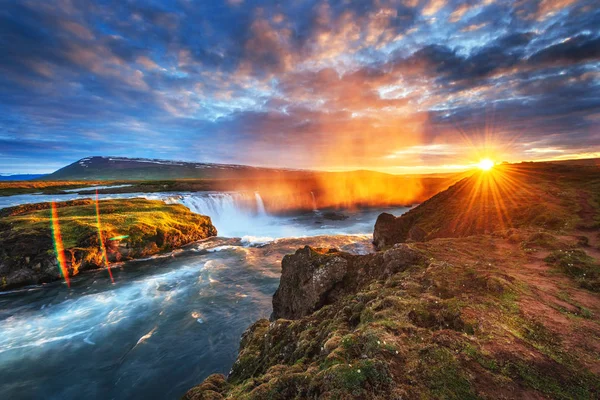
[(577, 264), (24, 187), (137, 218), (440, 331), (145, 227)]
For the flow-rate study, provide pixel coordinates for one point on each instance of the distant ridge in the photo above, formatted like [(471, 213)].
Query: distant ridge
[(123, 168), (20, 177)]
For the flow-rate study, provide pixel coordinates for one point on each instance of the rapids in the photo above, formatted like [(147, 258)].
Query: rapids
[(167, 322)]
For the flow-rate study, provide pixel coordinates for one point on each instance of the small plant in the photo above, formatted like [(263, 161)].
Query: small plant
[(577, 264)]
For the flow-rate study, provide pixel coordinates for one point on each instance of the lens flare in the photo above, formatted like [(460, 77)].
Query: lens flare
[(58, 245), (101, 240), (118, 238), (486, 164)]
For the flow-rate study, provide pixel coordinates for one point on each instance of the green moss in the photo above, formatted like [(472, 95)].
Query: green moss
[(577, 264), (580, 385), (139, 219), (443, 376), (360, 378), (485, 360)]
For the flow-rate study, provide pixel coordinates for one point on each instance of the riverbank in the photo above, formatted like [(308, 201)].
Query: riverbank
[(42, 243)]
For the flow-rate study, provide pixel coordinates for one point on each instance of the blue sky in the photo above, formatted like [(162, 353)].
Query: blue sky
[(398, 86)]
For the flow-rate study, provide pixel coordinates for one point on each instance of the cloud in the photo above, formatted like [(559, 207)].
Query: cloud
[(327, 84)]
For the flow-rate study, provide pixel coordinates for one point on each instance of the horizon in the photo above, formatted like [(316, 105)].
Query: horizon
[(390, 86), (424, 171)]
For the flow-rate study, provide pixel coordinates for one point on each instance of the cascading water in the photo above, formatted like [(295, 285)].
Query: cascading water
[(169, 315), (260, 206), (314, 201), (233, 214)]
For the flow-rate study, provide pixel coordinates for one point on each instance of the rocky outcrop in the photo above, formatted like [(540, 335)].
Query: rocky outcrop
[(460, 323), (27, 254), (312, 278)]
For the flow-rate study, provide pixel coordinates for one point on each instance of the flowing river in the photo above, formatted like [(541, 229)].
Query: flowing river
[(167, 322)]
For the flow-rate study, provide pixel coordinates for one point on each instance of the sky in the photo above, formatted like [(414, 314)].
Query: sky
[(401, 86)]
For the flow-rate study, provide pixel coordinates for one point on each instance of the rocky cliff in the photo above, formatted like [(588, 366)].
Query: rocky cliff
[(145, 227)]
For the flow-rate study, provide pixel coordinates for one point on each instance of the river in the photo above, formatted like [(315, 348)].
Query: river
[(167, 322)]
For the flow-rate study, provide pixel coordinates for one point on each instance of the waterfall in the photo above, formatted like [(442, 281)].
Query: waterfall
[(233, 214), (260, 206), (314, 202)]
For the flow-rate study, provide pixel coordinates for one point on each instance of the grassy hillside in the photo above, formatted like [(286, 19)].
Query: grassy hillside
[(147, 227), (477, 318), (10, 188), (551, 196), (499, 299)]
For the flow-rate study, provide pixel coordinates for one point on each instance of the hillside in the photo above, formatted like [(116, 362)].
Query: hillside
[(122, 168), (499, 299), (540, 195), (282, 190)]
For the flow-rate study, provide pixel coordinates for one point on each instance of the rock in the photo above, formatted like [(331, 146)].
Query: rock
[(385, 232), (417, 234), (312, 278), (390, 230), (307, 277), (335, 216)]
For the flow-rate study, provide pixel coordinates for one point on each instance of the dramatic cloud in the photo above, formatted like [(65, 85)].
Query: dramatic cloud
[(394, 85)]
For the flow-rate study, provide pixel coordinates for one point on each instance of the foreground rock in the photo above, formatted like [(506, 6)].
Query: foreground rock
[(146, 227), (312, 278)]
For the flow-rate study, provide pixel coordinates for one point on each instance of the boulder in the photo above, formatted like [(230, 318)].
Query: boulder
[(312, 278), (307, 277), (387, 231)]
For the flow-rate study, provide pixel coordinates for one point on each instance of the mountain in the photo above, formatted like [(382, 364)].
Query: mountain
[(282, 190), (121, 168), (20, 177), (489, 290)]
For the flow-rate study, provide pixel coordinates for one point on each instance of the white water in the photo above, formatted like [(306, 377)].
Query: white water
[(167, 322), (260, 206), (241, 214), (233, 214), (314, 201)]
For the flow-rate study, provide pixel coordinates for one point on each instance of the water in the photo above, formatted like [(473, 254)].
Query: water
[(167, 322)]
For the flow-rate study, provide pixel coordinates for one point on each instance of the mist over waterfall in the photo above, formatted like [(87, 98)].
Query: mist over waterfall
[(234, 214), (260, 206)]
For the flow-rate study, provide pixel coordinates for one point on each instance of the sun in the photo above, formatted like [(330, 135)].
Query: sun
[(485, 164)]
